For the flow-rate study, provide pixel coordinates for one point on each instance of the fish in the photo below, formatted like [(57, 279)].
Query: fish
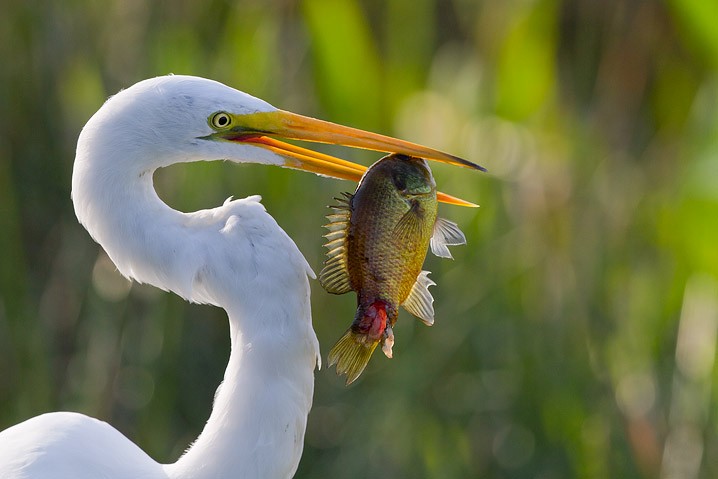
[(377, 242)]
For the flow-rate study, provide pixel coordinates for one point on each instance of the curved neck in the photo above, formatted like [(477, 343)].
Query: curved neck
[(237, 257), (257, 424), (141, 234)]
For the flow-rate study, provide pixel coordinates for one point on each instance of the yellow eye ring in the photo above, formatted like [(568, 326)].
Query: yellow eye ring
[(220, 120)]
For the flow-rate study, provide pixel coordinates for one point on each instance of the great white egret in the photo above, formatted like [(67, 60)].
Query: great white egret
[(234, 256)]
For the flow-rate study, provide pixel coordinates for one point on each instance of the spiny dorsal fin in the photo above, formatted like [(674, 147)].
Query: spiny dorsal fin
[(335, 275), (446, 233), (420, 302)]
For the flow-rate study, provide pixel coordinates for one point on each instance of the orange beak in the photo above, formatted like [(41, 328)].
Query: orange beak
[(259, 128)]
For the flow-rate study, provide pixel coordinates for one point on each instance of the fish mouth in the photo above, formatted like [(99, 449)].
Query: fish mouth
[(261, 128)]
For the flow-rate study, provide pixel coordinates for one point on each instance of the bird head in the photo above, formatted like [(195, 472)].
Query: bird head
[(176, 118)]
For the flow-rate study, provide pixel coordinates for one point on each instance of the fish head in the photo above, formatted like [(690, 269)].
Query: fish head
[(408, 176)]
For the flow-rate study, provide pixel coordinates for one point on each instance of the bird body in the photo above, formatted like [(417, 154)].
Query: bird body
[(66, 445), (234, 256)]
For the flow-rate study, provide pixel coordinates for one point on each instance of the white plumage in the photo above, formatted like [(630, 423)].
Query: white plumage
[(234, 256)]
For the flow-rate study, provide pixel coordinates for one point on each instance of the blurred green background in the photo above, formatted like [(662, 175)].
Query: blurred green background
[(575, 333)]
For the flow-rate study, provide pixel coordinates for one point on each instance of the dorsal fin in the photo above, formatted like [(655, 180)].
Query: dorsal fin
[(420, 302), (446, 233), (335, 275)]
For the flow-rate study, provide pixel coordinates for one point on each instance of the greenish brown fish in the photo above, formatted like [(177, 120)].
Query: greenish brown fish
[(378, 239)]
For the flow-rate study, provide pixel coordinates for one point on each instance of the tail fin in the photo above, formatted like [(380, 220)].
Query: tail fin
[(351, 354)]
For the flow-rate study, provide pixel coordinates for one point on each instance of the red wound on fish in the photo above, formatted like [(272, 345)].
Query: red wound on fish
[(373, 322)]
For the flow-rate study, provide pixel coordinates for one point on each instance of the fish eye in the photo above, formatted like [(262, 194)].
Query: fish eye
[(220, 120), (399, 181)]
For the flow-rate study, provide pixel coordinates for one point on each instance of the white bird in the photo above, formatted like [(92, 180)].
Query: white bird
[(234, 256)]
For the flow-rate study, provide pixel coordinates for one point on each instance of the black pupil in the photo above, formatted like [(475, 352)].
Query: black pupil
[(399, 182), (222, 120)]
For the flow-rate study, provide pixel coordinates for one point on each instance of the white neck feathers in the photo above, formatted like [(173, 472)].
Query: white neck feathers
[(237, 257)]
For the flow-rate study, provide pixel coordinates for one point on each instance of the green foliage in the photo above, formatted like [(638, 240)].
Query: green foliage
[(575, 333)]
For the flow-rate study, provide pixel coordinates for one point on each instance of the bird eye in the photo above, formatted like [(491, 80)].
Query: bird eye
[(220, 120)]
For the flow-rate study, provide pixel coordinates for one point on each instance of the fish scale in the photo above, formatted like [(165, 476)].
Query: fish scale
[(377, 241)]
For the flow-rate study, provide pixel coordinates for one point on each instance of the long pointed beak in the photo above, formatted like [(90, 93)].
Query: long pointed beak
[(256, 128)]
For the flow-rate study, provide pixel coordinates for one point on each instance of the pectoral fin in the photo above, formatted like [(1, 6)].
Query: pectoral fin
[(446, 233), (420, 302), (409, 226), (335, 275)]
